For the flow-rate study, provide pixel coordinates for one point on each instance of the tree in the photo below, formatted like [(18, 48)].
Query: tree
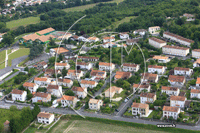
[(13, 108), (161, 33), (69, 93), (64, 72), (181, 115), (195, 45), (52, 42), (35, 111), (60, 57)]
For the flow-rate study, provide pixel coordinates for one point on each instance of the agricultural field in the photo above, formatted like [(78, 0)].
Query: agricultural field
[(19, 53), (22, 22), (84, 7)]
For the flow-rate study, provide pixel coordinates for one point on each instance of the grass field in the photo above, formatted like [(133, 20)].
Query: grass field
[(84, 7), (78, 126), (6, 114), (22, 22), (2, 65), (19, 53), (116, 24), (2, 55)]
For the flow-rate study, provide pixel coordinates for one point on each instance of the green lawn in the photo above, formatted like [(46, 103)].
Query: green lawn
[(84, 7), (2, 55), (19, 53), (2, 65), (22, 22), (6, 114), (116, 24)]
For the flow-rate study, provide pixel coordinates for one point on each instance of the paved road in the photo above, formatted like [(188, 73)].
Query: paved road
[(43, 57), (104, 86), (123, 107), (119, 118)]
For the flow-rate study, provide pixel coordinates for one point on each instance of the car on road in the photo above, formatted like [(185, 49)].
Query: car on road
[(116, 110), (126, 99)]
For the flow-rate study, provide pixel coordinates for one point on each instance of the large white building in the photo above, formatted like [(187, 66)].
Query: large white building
[(95, 104), (84, 65), (41, 97), (87, 83), (170, 90), (60, 66), (196, 53), (175, 50), (176, 80), (156, 69), (147, 97), (46, 118), (67, 101), (157, 43), (177, 38), (177, 101), (18, 95), (31, 86), (183, 71), (55, 90), (106, 66), (80, 92), (171, 112), (154, 30), (195, 93), (161, 59), (129, 67)]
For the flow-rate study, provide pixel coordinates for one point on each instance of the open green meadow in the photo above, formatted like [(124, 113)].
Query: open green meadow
[(19, 53), (22, 22)]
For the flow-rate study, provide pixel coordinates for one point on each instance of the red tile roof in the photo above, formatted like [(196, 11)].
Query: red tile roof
[(157, 40), (140, 105), (27, 84), (175, 47), (178, 98), (174, 78), (171, 109)]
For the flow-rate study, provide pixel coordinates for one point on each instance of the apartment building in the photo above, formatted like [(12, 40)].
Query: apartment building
[(86, 58), (196, 53), (175, 50), (157, 43)]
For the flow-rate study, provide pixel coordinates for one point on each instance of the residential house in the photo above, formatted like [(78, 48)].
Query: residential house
[(98, 75), (31, 86), (45, 117), (198, 82), (156, 69), (124, 35), (50, 72), (58, 51), (87, 83), (112, 91), (84, 65), (106, 66), (55, 90), (60, 66), (177, 101), (93, 39), (177, 38), (183, 71), (161, 59), (95, 104), (170, 90), (147, 97), (108, 44), (189, 17), (41, 97), (195, 93), (65, 82), (129, 67), (41, 65), (196, 63), (196, 53), (42, 81), (18, 95), (171, 112), (83, 38), (140, 109), (154, 30), (140, 32), (85, 58), (108, 39), (67, 101), (74, 38), (176, 80), (80, 92), (75, 74), (157, 43), (149, 78), (122, 75), (141, 87), (132, 41), (175, 50)]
